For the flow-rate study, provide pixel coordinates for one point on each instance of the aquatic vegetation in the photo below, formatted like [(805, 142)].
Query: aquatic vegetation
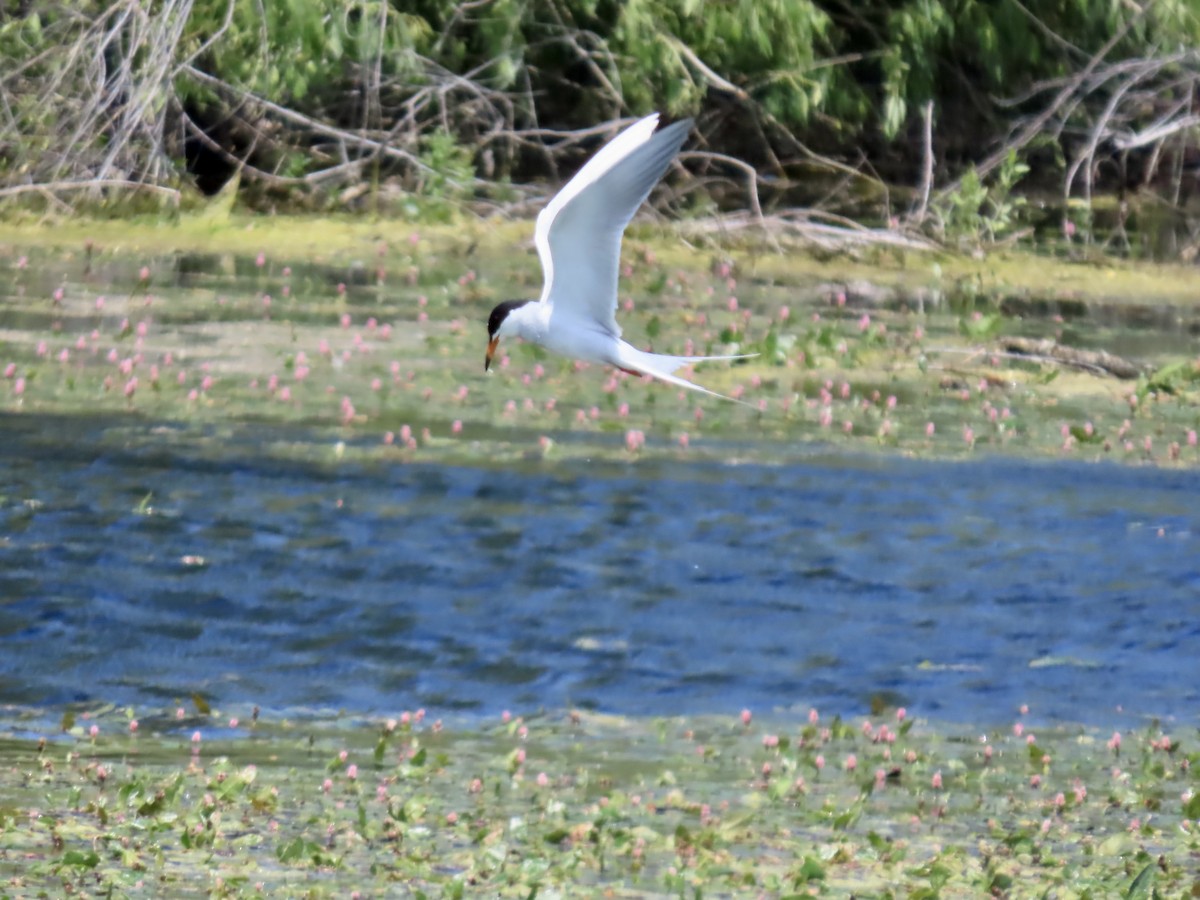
[(375, 336), (187, 801), (374, 350)]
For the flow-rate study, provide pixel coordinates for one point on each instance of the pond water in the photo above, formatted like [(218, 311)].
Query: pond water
[(141, 562)]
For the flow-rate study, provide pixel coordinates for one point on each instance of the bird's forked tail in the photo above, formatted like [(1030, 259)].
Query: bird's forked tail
[(663, 367)]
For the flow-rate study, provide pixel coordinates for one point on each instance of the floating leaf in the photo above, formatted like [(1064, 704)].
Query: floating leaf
[(810, 870), (980, 327), (88, 859), (1140, 887), (1191, 809), (297, 850)]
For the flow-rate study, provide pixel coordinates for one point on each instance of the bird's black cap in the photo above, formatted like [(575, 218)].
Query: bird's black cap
[(500, 313)]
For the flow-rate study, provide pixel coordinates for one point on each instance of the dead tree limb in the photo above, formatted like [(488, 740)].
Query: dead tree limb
[(1093, 360)]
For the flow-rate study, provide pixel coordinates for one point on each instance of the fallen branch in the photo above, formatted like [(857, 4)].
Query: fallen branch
[(799, 223), (974, 353), (1094, 360), (55, 187)]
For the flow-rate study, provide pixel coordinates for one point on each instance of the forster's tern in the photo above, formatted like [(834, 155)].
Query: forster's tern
[(578, 238)]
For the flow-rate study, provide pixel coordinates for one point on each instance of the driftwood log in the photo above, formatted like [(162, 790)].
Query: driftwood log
[(1100, 361)]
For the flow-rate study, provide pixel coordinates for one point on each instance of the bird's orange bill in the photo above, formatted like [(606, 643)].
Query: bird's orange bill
[(491, 350)]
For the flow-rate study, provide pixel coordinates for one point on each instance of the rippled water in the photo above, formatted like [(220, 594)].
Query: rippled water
[(138, 566)]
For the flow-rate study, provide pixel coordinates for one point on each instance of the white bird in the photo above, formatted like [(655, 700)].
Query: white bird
[(578, 238)]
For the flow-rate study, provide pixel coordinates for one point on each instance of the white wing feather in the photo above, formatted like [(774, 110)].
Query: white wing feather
[(579, 232)]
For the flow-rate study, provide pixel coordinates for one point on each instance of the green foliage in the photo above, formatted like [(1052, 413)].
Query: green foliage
[(448, 174), (977, 212), (959, 49), (772, 49), (285, 50), (449, 80), (1141, 885), (981, 327), (1175, 378)]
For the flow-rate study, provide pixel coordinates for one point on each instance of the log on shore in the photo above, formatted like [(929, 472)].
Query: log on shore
[(1095, 360)]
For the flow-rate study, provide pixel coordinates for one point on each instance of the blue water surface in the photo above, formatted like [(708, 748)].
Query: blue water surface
[(140, 570)]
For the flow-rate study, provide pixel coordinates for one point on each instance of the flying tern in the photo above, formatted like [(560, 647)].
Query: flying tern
[(578, 239)]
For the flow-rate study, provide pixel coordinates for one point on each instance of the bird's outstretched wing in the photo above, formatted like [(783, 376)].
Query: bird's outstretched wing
[(578, 234)]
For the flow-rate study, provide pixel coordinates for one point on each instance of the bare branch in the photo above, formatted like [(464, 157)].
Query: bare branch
[(1155, 134), (93, 184), (927, 170)]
